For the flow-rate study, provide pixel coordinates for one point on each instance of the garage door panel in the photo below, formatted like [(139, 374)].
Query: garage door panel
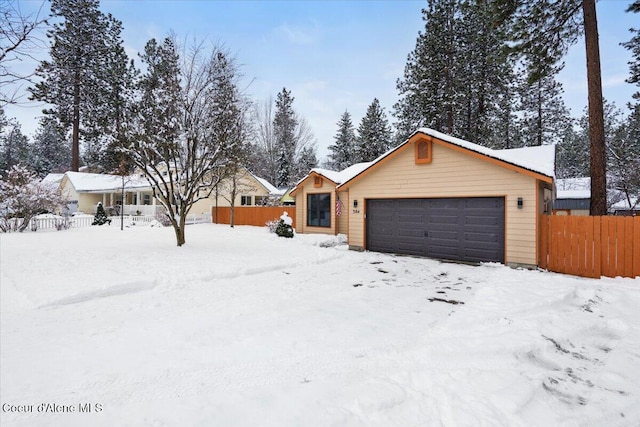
[(482, 220), (481, 237), (464, 229)]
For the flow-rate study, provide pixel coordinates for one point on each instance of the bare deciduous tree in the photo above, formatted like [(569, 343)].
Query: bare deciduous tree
[(17, 42), (188, 123)]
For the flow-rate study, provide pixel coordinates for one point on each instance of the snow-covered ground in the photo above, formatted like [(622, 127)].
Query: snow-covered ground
[(242, 328)]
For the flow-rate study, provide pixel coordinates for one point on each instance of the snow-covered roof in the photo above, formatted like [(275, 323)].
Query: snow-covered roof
[(539, 159), (270, 188), (580, 188), (96, 182), (53, 178), (573, 188), (344, 175)]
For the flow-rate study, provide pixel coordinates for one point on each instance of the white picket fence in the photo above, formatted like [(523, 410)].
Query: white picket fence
[(63, 223)]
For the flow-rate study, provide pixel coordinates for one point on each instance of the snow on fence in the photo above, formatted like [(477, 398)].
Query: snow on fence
[(590, 246), (251, 215)]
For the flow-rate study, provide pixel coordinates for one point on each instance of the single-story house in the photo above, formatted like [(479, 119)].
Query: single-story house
[(86, 190), (573, 197), (435, 196), (250, 190)]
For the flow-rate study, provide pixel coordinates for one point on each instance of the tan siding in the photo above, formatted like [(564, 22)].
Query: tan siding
[(343, 219), (301, 207), (87, 202), (453, 174)]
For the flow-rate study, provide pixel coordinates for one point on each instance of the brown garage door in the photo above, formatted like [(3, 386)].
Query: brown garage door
[(459, 229)]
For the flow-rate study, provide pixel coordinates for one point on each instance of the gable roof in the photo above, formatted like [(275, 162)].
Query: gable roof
[(538, 161), (336, 178), (53, 179), (97, 182), (268, 186)]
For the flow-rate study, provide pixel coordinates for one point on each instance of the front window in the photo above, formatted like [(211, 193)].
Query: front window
[(319, 210), (245, 200)]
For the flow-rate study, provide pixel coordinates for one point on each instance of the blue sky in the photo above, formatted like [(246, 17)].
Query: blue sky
[(334, 55)]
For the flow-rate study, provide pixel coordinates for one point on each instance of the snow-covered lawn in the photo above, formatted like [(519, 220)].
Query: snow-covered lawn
[(240, 327)]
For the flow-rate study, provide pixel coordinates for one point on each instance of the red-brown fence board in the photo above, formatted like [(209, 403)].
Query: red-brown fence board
[(250, 215), (590, 246)]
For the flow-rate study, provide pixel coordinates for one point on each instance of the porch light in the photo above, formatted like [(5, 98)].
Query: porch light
[(355, 203), (520, 203)]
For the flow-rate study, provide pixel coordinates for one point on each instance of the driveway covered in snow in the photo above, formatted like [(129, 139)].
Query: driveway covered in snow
[(240, 327)]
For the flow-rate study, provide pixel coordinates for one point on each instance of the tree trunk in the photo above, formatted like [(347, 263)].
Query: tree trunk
[(598, 166), (539, 120), (75, 137), (179, 230)]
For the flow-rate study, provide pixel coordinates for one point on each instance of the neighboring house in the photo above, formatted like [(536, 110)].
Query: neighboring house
[(86, 190), (436, 196), (573, 197), (250, 191)]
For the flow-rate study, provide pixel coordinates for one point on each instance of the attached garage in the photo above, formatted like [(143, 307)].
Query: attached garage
[(470, 229), (445, 198)]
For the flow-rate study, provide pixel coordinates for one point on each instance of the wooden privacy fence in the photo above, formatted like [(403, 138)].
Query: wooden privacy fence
[(590, 246), (251, 215)]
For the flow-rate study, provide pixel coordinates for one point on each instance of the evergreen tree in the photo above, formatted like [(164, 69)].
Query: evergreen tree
[(100, 217), (543, 30), (623, 152), (572, 153), (110, 131), (342, 152), (506, 122), (284, 126), (374, 134), (81, 74), (634, 46), (14, 147), (458, 78), (484, 72), (428, 89), (307, 161), (544, 113), (50, 149)]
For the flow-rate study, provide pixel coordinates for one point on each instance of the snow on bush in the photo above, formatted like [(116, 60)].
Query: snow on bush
[(22, 196)]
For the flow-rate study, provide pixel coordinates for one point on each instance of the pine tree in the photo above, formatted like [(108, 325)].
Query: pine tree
[(284, 126), (342, 152), (634, 46), (543, 30), (544, 113), (110, 133), (80, 74), (374, 134), (14, 147), (458, 78), (484, 72), (427, 91), (100, 217), (306, 161), (51, 151), (572, 153)]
